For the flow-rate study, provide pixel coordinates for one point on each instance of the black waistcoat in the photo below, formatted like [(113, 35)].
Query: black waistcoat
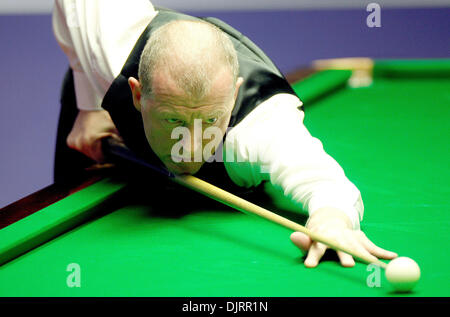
[(262, 80)]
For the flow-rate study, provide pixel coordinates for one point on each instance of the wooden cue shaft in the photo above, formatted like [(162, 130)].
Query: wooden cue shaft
[(245, 206)]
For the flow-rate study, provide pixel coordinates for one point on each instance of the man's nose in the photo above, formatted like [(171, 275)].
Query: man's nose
[(196, 145)]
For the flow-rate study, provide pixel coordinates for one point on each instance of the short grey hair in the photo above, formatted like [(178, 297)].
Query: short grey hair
[(191, 53)]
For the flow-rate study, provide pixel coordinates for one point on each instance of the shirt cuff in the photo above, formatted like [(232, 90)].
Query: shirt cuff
[(87, 98)]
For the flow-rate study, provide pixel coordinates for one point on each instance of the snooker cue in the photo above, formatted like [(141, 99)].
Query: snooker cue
[(113, 148)]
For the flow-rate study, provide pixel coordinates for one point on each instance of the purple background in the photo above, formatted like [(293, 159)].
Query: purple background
[(32, 67)]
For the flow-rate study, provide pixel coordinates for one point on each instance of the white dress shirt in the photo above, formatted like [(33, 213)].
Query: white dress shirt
[(97, 36), (272, 143)]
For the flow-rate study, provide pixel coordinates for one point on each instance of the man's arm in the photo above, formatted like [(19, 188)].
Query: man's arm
[(68, 28), (275, 146), (96, 37)]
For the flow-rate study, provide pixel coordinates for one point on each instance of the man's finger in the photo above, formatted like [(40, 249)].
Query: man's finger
[(96, 150), (346, 259), (117, 138), (316, 251), (375, 250), (302, 241), (361, 249)]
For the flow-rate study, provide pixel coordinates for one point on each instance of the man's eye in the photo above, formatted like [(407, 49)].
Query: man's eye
[(174, 121), (211, 120)]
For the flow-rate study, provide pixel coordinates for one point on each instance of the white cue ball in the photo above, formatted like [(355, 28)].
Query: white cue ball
[(403, 273)]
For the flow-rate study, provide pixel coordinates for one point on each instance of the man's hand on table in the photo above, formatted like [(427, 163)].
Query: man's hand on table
[(335, 224), (89, 129)]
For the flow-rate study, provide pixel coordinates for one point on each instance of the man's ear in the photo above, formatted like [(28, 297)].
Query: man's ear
[(135, 87), (239, 82)]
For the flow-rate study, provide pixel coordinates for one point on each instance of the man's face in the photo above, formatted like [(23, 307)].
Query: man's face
[(170, 108)]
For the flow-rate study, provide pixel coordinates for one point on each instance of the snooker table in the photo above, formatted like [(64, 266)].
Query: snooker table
[(392, 139)]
